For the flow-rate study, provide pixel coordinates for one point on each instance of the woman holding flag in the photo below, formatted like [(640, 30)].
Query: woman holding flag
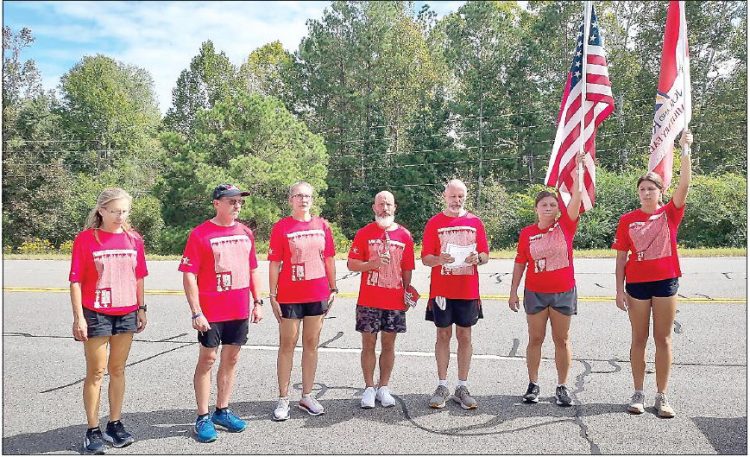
[(545, 251), (647, 279)]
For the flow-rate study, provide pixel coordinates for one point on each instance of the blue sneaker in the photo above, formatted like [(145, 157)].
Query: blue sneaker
[(205, 432), (228, 420)]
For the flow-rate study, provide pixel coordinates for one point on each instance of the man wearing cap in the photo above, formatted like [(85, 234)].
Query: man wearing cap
[(220, 277), (383, 251), (454, 243)]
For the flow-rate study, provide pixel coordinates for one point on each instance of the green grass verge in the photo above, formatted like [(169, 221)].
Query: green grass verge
[(502, 254)]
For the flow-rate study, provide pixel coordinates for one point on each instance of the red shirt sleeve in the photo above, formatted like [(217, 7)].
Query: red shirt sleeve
[(622, 238), (482, 245), (407, 261), (191, 257), (569, 225), (277, 244), (359, 250), (77, 260), (522, 251), (675, 214), (141, 271), (253, 254), (430, 241), (330, 247)]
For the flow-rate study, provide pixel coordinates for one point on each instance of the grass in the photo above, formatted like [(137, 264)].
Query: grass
[(500, 254)]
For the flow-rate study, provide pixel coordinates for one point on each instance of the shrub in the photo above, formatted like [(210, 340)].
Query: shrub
[(146, 219), (66, 247), (36, 246)]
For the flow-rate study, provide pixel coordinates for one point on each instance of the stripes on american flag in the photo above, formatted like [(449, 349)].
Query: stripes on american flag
[(598, 105)]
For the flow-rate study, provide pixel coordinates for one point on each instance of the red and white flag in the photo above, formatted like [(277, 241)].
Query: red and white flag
[(582, 110), (673, 109)]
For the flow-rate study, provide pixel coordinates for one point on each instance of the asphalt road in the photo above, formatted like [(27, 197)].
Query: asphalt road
[(44, 367)]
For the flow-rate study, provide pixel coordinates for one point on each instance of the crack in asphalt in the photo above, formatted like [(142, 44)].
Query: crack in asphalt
[(54, 389), (727, 274), (326, 343), (584, 432), (516, 343)]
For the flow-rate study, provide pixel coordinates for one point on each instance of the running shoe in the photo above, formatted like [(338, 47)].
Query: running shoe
[(463, 398), (116, 435), (311, 405), (532, 393), (368, 398), (662, 406), (562, 397), (636, 403), (383, 395), (440, 397), (93, 443), (281, 413), (205, 430), (228, 420)]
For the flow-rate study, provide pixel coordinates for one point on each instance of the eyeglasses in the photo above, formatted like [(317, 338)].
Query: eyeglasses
[(302, 196), (123, 212), (235, 201)]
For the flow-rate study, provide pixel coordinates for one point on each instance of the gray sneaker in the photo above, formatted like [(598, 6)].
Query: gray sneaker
[(439, 397), (636, 403), (462, 397), (662, 406), (562, 397)]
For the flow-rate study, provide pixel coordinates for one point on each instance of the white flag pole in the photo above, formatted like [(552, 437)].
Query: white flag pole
[(685, 71), (586, 32)]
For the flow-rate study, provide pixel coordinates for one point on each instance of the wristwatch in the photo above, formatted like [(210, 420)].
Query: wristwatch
[(334, 290), (143, 307), (258, 301)]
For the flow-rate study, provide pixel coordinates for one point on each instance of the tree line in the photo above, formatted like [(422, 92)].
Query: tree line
[(378, 95)]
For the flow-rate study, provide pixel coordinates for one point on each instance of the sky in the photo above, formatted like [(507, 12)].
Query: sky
[(161, 37)]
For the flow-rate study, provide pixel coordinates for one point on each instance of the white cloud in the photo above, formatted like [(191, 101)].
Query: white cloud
[(164, 37)]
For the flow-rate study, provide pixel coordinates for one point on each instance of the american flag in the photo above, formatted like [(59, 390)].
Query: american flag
[(598, 105)]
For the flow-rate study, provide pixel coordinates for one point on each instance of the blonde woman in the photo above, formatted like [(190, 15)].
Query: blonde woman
[(107, 268), (302, 280)]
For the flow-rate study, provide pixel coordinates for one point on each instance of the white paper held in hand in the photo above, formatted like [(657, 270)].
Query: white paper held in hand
[(459, 254)]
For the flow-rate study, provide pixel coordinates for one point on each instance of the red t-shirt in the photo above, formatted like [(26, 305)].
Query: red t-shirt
[(652, 242), (221, 257), (460, 283), (548, 255), (108, 270), (301, 247), (383, 288)]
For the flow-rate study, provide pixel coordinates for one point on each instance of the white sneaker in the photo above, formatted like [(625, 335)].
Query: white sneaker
[(636, 403), (281, 413), (368, 398), (311, 405), (383, 395)]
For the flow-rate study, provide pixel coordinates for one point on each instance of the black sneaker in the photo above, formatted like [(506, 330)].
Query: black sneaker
[(562, 397), (116, 435), (532, 393), (93, 443)]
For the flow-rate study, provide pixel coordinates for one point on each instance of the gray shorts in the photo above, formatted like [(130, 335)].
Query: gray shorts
[(374, 320), (100, 324), (564, 302)]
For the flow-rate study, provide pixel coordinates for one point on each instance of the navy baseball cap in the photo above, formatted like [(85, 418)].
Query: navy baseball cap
[(227, 190)]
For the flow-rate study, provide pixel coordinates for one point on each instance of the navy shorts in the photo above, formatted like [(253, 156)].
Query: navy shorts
[(227, 332), (464, 313), (302, 310), (564, 302), (648, 290), (105, 325), (374, 320)]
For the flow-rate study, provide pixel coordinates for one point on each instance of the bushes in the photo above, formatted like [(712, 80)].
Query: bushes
[(716, 212)]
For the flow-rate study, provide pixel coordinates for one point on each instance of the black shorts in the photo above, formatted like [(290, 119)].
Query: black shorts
[(564, 302), (302, 310), (464, 313), (647, 290), (227, 332), (374, 320), (105, 325)]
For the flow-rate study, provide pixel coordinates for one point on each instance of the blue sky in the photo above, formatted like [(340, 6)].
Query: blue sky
[(161, 37)]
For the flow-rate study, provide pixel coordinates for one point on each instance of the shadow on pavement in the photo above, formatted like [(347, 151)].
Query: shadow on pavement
[(496, 413), (726, 435)]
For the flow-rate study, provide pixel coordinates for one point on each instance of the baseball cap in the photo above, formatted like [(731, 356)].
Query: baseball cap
[(227, 190)]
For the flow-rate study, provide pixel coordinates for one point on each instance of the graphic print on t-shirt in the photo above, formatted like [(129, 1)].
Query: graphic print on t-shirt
[(387, 276), (306, 248), (549, 250), (460, 235), (114, 286), (651, 238), (231, 262)]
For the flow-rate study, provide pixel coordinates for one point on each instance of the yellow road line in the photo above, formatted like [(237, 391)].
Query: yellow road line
[(605, 298)]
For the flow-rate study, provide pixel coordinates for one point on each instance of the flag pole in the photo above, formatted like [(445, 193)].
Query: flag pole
[(586, 32), (685, 71)]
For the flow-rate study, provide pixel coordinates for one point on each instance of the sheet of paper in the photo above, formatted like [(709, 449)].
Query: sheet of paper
[(459, 254)]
